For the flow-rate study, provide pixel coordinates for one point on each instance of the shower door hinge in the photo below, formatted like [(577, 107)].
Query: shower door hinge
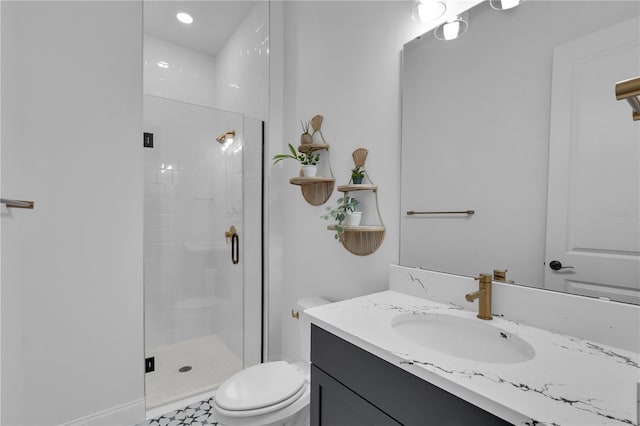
[(149, 364), (147, 140)]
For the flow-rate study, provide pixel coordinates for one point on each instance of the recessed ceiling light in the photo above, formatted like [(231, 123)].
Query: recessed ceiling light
[(185, 18)]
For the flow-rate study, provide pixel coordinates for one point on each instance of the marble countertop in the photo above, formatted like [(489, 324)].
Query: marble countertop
[(568, 382)]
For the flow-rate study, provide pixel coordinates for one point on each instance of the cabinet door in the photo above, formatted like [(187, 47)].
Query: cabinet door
[(332, 404)]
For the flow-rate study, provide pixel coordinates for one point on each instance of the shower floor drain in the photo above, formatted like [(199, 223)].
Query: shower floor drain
[(184, 369)]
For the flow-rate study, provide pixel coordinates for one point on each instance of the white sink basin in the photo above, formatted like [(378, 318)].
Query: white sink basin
[(471, 339)]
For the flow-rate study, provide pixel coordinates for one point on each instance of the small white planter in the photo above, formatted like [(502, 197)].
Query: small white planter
[(309, 171), (316, 137), (354, 218)]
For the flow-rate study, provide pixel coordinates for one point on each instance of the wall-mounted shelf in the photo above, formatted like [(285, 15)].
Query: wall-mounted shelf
[(362, 228), (358, 187), (315, 190), (313, 147), (302, 180), (361, 240)]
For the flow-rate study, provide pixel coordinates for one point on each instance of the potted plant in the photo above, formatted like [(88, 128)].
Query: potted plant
[(308, 160), (347, 212), (357, 174), (305, 137)]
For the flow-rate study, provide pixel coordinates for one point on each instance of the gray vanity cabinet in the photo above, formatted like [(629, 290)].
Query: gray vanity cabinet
[(351, 387)]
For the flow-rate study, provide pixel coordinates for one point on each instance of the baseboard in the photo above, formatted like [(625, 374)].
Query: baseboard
[(129, 414)]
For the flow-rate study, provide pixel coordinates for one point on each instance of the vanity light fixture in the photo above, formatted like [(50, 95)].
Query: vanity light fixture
[(505, 4), (630, 90), (453, 28), (184, 17), (428, 10)]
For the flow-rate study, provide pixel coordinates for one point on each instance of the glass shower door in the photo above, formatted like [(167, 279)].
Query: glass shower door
[(193, 271)]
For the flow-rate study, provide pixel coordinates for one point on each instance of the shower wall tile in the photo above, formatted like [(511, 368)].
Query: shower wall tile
[(167, 220), (242, 66), (152, 206), (153, 158), (153, 191), (170, 192), (150, 175), (177, 177), (151, 221), (165, 177), (185, 75), (152, 238), (152, 252)]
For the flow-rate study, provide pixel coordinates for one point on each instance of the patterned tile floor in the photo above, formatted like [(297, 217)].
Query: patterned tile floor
[(198, 414)]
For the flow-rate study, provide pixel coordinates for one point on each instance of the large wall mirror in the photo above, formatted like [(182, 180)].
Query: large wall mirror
[(517, 120)]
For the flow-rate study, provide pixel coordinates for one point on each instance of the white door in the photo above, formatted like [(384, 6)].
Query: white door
[(593, 231)]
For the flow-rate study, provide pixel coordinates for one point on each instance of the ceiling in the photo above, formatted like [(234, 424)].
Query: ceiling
[(213, 22)]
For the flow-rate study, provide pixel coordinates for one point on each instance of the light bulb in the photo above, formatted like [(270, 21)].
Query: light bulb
[(451, 30), (430, 10), (504, 4), (185, 18)]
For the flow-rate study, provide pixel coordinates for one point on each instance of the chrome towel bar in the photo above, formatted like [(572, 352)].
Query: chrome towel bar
[(17, 204), (467, 212)]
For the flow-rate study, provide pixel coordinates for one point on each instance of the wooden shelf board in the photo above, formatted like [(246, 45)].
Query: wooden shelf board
[(358, 187), (364, 228), (312, 147), (301, 180)]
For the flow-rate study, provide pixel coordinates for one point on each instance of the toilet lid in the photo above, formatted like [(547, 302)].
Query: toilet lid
[(260, 386)]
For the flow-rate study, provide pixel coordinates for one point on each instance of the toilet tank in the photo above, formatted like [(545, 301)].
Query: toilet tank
[(304, 325)]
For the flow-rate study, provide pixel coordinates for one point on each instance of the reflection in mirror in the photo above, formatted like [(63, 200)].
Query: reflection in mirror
[(518, 121)]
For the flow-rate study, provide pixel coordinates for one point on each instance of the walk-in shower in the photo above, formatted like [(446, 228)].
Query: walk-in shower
[(203, 194), (196, 191)]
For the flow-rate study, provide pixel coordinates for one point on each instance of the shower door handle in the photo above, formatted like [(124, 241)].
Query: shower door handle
[(235, 249), (232, 234)]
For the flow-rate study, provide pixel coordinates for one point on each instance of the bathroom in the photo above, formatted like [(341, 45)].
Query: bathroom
[(72, 294)]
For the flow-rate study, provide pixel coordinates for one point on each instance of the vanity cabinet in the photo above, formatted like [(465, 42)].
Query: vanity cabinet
[(350, 386)]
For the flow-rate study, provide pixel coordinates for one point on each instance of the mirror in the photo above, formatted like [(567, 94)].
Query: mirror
[(516, 118)]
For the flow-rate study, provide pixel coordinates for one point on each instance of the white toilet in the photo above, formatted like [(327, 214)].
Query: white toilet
[(269, 394)]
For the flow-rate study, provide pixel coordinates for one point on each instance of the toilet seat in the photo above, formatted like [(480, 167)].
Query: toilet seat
[(263, 410), (260, 389)]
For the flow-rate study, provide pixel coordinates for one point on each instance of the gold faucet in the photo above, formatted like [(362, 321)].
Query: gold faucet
[(484, 294)]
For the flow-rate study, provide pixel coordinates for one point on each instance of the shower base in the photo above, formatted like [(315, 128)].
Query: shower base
[(211, 362)]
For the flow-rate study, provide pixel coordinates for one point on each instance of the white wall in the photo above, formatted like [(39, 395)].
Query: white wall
[(242, 66), (236, 79), (341, 60), (174, 72), (72, 275)]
